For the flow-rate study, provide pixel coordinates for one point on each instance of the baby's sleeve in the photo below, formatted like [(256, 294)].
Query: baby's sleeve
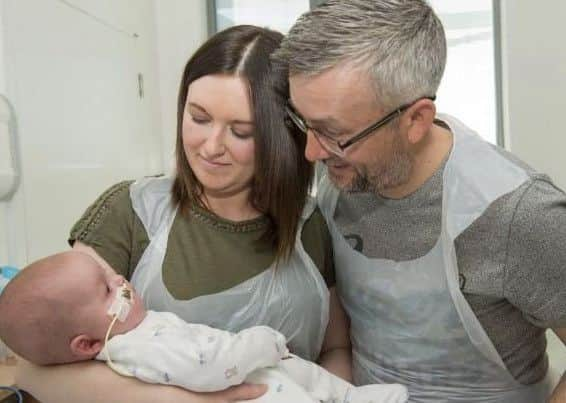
[(197, 357)]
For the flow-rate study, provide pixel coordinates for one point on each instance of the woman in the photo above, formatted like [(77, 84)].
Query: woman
[(231, 241)]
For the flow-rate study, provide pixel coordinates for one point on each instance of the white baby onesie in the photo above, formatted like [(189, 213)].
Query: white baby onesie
[(165, 349)]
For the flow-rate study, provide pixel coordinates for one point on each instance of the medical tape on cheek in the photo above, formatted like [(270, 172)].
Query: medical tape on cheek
[(122, 303), (119, 310)]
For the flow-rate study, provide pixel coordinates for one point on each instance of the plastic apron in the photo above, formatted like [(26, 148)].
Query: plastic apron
[(292, 299), (410, 323)]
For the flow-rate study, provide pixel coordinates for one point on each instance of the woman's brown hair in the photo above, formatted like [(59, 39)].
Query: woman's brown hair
[(282, 175)]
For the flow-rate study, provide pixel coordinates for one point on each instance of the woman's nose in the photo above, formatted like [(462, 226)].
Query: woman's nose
[(215, 143)]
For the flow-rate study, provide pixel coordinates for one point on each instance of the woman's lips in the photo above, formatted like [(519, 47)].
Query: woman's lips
[(212, 164)]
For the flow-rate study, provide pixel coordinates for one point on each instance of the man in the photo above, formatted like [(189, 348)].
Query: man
[(449, 251)]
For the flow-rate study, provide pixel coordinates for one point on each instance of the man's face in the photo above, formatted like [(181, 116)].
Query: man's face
[(339, 103)]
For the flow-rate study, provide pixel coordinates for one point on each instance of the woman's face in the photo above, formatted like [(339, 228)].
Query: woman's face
[(218, 132)]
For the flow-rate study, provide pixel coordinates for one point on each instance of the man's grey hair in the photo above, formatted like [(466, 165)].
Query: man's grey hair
[(400, 43)]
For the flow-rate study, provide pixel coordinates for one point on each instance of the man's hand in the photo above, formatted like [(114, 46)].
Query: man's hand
[(559, 394)]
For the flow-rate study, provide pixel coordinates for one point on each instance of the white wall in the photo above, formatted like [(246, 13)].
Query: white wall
[(63, 138), (2, 57), (181, 27), (3, 215), (71, 71), (76, 145), (534, 100), (11, 235), (534, 83)]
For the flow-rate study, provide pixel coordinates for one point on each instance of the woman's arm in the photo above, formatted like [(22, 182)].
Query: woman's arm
[(94, 382), (336, 354), (81, 247)]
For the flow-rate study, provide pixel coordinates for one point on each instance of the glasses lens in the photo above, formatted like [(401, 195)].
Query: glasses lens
[(329, 144), (297, 120)]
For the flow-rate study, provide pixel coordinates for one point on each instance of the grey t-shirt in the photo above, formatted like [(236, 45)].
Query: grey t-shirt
[(512, 259)]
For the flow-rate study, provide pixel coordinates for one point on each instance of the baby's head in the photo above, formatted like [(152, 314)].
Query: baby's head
[(56, 310)]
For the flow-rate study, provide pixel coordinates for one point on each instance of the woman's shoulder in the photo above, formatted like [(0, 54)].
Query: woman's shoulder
[(111, 227), (114, 202)]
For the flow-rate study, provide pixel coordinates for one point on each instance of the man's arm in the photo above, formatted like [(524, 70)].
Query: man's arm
[(94, 382), (336, 354), (559, 394)]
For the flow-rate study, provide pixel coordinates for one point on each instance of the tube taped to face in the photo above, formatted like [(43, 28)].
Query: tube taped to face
[(122, 303), (119, 310)]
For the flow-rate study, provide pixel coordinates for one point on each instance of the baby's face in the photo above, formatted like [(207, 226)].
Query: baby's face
[(97, 289)]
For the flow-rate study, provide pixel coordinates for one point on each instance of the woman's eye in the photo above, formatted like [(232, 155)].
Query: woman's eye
[(241, 135), (200, 121)]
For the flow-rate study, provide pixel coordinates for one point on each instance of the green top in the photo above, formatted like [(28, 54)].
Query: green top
[(205, 253)]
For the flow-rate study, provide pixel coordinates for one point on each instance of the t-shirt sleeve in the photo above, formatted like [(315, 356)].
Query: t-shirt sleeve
[(535, 269), (318, 244), (111, 227)]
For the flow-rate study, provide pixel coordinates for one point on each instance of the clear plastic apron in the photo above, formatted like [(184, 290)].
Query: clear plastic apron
[(410, 323), (292, 299)]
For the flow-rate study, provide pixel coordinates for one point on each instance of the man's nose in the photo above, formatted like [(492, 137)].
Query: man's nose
[(314, 151)]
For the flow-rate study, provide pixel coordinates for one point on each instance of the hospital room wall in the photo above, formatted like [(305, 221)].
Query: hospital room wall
[(3, 232), (533, 53), (2, 74), (181, 26), (93, 128), (534, 83), (72, 70)]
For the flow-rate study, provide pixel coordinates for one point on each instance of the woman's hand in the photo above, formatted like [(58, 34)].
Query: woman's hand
[(235, 394)]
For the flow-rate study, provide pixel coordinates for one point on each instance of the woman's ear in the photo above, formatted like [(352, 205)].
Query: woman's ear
[(419, 119), (84, 347)]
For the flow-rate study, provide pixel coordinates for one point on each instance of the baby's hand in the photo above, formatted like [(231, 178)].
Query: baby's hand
[(269, 345), (279, 341)]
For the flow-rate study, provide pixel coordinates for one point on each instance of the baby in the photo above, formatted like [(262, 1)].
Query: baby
[(67, 308)]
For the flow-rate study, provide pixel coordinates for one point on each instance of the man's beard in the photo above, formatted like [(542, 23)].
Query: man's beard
[(380, 175), (376, 179)]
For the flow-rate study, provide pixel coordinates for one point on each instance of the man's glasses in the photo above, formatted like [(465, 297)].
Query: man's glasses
[(335, 146)]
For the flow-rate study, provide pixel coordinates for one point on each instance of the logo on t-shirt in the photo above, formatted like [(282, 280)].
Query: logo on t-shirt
[(462, 280), (355, 241)]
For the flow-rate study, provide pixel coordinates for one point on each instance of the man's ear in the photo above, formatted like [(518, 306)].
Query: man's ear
[(85, 347), (419, 119)]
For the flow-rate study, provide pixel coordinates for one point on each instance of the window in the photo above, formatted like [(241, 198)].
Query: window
[(468, 89), (275, 14)]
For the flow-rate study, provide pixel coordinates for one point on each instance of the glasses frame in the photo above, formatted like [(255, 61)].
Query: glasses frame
[(336, 147)]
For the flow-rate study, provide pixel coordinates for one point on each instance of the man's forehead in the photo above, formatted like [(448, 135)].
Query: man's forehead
[(336, 91), (336, 79)]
